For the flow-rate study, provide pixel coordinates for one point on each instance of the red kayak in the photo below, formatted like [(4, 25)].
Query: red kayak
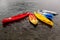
[(14, 18)]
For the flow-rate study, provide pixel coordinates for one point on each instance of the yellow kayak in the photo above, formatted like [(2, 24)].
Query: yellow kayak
[(33, 19), (43, 18)]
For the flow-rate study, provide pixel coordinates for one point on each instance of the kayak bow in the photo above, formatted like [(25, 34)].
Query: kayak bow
[(14, 18), (43, 18), (33, 19)]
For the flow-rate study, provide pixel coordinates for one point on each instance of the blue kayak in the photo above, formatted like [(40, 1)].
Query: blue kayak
[(48, 15)]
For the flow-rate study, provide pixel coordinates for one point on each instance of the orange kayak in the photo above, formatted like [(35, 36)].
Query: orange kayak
[(33, 19)]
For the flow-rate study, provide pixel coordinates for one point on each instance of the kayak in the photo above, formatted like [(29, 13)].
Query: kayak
[(33, 19), (14, 18), (49, 16), (46, 11), (43, 18)]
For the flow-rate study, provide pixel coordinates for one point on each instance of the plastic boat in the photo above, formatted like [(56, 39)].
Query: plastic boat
[(16, 17), (43, 18), (33, 19), (46, 11)]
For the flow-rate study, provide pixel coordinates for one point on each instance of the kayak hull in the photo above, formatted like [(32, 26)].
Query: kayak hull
[(43, 18)]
